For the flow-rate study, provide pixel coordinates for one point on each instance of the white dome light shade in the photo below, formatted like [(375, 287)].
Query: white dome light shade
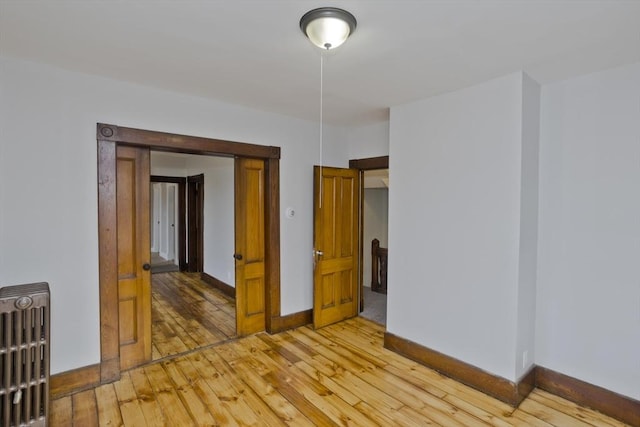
[(328, 33), (328, 27)]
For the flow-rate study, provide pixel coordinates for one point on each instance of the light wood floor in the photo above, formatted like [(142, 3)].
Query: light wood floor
[(339, 375), (188, 314)]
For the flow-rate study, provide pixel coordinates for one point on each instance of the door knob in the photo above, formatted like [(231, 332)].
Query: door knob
[(316, 257), (237, 256), (146, 266)]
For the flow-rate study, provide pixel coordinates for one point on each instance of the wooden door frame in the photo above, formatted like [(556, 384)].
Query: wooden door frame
[(195, 213), (108, 137), (182, 232), (367, 164)]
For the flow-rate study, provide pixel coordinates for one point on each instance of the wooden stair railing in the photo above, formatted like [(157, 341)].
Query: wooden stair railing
[(378, 267)]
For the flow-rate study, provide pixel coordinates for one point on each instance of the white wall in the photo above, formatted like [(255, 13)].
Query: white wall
[(454, 223), (48, 223), (369, 141), (588, 306), (218, 220), (375, 225), (219, 225), (528, 262), (168, 164)]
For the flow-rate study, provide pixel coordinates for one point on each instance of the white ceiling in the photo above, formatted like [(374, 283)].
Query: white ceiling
[(252, 52)]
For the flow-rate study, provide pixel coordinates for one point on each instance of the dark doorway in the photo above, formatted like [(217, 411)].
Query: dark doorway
[(364, 165), (195, 213)]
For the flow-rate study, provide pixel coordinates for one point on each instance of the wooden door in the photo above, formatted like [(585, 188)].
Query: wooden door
[(250, 245), (336, 246), (171, 222), (134, 276), (195, 214)]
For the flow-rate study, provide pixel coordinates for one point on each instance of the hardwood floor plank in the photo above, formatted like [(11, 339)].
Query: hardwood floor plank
[(374, 383), (521, 418), (340, 375), (408, 416), (155, 353), (205, 393), (378, 416), (190, 400), (351, 348), (334, 370), (231, 399), (148, 404), (550, 415), (350, 359), (270, 363), (585, 414), (167, 334), (286, 411), (85, 411), (480, 413), (128, 400), (61, 412), (344, 412), (108, 407), (298, 398), (262, 410), (188, 314), (344, 393), (173, 411)]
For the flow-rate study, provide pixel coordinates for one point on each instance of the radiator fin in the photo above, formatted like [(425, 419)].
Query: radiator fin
[(24, 355)]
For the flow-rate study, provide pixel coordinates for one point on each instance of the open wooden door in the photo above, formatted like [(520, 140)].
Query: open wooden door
[(195, 213), (250, 245), (336, 247), (134, 276)]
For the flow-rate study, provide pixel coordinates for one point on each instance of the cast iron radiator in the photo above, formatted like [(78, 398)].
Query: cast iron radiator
[(24, 355)]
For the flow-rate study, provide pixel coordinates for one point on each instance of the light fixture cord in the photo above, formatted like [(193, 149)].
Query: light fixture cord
[(321, 122)]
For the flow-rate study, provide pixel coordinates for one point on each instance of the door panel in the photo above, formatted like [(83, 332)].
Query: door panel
[(195, 213), (250, 245), (134, 282), (335, 245)]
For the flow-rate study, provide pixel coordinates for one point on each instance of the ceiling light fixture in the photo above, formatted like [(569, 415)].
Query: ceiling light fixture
[(328, 27)]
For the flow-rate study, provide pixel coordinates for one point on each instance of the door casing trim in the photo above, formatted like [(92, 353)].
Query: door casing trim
[(108, 138)]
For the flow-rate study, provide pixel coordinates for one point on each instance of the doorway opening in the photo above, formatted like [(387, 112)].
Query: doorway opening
[(168, 223), (195, 226), (375, 217), (195, 307), (110, 139), (374, 209)]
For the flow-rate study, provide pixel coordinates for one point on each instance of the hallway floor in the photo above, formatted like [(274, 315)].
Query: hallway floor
[(188, 314), (375, 306)]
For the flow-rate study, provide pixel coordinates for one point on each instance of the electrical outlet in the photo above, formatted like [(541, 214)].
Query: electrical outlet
[(525, 358)]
